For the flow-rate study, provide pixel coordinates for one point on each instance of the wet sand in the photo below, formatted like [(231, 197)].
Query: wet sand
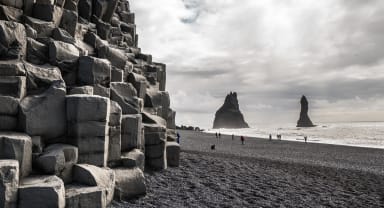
[(265, 173)]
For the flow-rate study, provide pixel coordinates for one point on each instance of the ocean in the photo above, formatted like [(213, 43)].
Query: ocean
[(361, 134)]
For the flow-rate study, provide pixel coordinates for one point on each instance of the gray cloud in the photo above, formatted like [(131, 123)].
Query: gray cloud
[(270, 52), (204, 74), (194, 6)]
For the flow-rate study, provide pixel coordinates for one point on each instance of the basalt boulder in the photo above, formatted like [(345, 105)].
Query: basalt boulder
[(9, 183), (41, 191), (17, 146), (45, 114), (13, 42)]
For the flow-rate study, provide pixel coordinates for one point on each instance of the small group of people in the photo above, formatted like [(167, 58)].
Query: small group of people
[(277, 136), (218, 135)]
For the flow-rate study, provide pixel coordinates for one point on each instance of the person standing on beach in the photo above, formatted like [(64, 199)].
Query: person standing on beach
[(242, 140), (219, 135), (216, 135), (178, 137), (270, 137), (305, 139), (233, 137)]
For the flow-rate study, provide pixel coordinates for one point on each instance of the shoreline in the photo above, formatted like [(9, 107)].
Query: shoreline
[(288, 140), (313, 141)]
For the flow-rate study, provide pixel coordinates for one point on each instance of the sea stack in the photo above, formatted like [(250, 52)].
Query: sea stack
[(304, 120), (229, 115)]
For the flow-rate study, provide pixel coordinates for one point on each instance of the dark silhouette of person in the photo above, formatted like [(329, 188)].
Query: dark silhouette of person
[(216, 135), (305, 139), (242, 140), (233, 136), (270, 137), (219, 135), (178, 137), (279, 136)]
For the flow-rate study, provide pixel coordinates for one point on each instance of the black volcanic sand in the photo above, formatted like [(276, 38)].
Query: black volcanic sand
[(266, 174)]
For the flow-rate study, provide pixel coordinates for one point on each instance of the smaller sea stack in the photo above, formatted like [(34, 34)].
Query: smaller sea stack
[(229, 115), (304, 120)]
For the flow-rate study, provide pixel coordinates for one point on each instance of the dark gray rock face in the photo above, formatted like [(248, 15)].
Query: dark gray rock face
[(41, 191), (17, 146), (9, 182), (304, 120), (229, 115), (12, 40), (44, 114), (58, 159)]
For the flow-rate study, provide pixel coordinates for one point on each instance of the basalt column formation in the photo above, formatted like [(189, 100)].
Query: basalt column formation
[(82, 110)]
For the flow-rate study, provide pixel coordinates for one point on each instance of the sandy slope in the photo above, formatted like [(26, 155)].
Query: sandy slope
[(266, 174)]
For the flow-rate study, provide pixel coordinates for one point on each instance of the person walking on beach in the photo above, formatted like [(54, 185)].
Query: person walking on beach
[(216, 135), (305, 139), (233, 137), (242, 140), (270, 137), (219, 135), (178, 137)]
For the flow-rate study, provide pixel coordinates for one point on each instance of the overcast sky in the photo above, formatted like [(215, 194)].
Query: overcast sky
[(270, 52)]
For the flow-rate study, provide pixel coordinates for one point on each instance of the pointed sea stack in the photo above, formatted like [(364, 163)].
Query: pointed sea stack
[(229, 115), (304, 120)]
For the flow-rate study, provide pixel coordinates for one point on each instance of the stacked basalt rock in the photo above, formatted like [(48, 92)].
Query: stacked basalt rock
[(82, 110)]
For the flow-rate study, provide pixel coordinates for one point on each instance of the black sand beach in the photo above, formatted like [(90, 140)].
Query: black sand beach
[(262, 173)]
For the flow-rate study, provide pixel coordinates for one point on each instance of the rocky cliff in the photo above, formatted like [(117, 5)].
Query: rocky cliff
[(229, 115), (304, 120), (82, 110)]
